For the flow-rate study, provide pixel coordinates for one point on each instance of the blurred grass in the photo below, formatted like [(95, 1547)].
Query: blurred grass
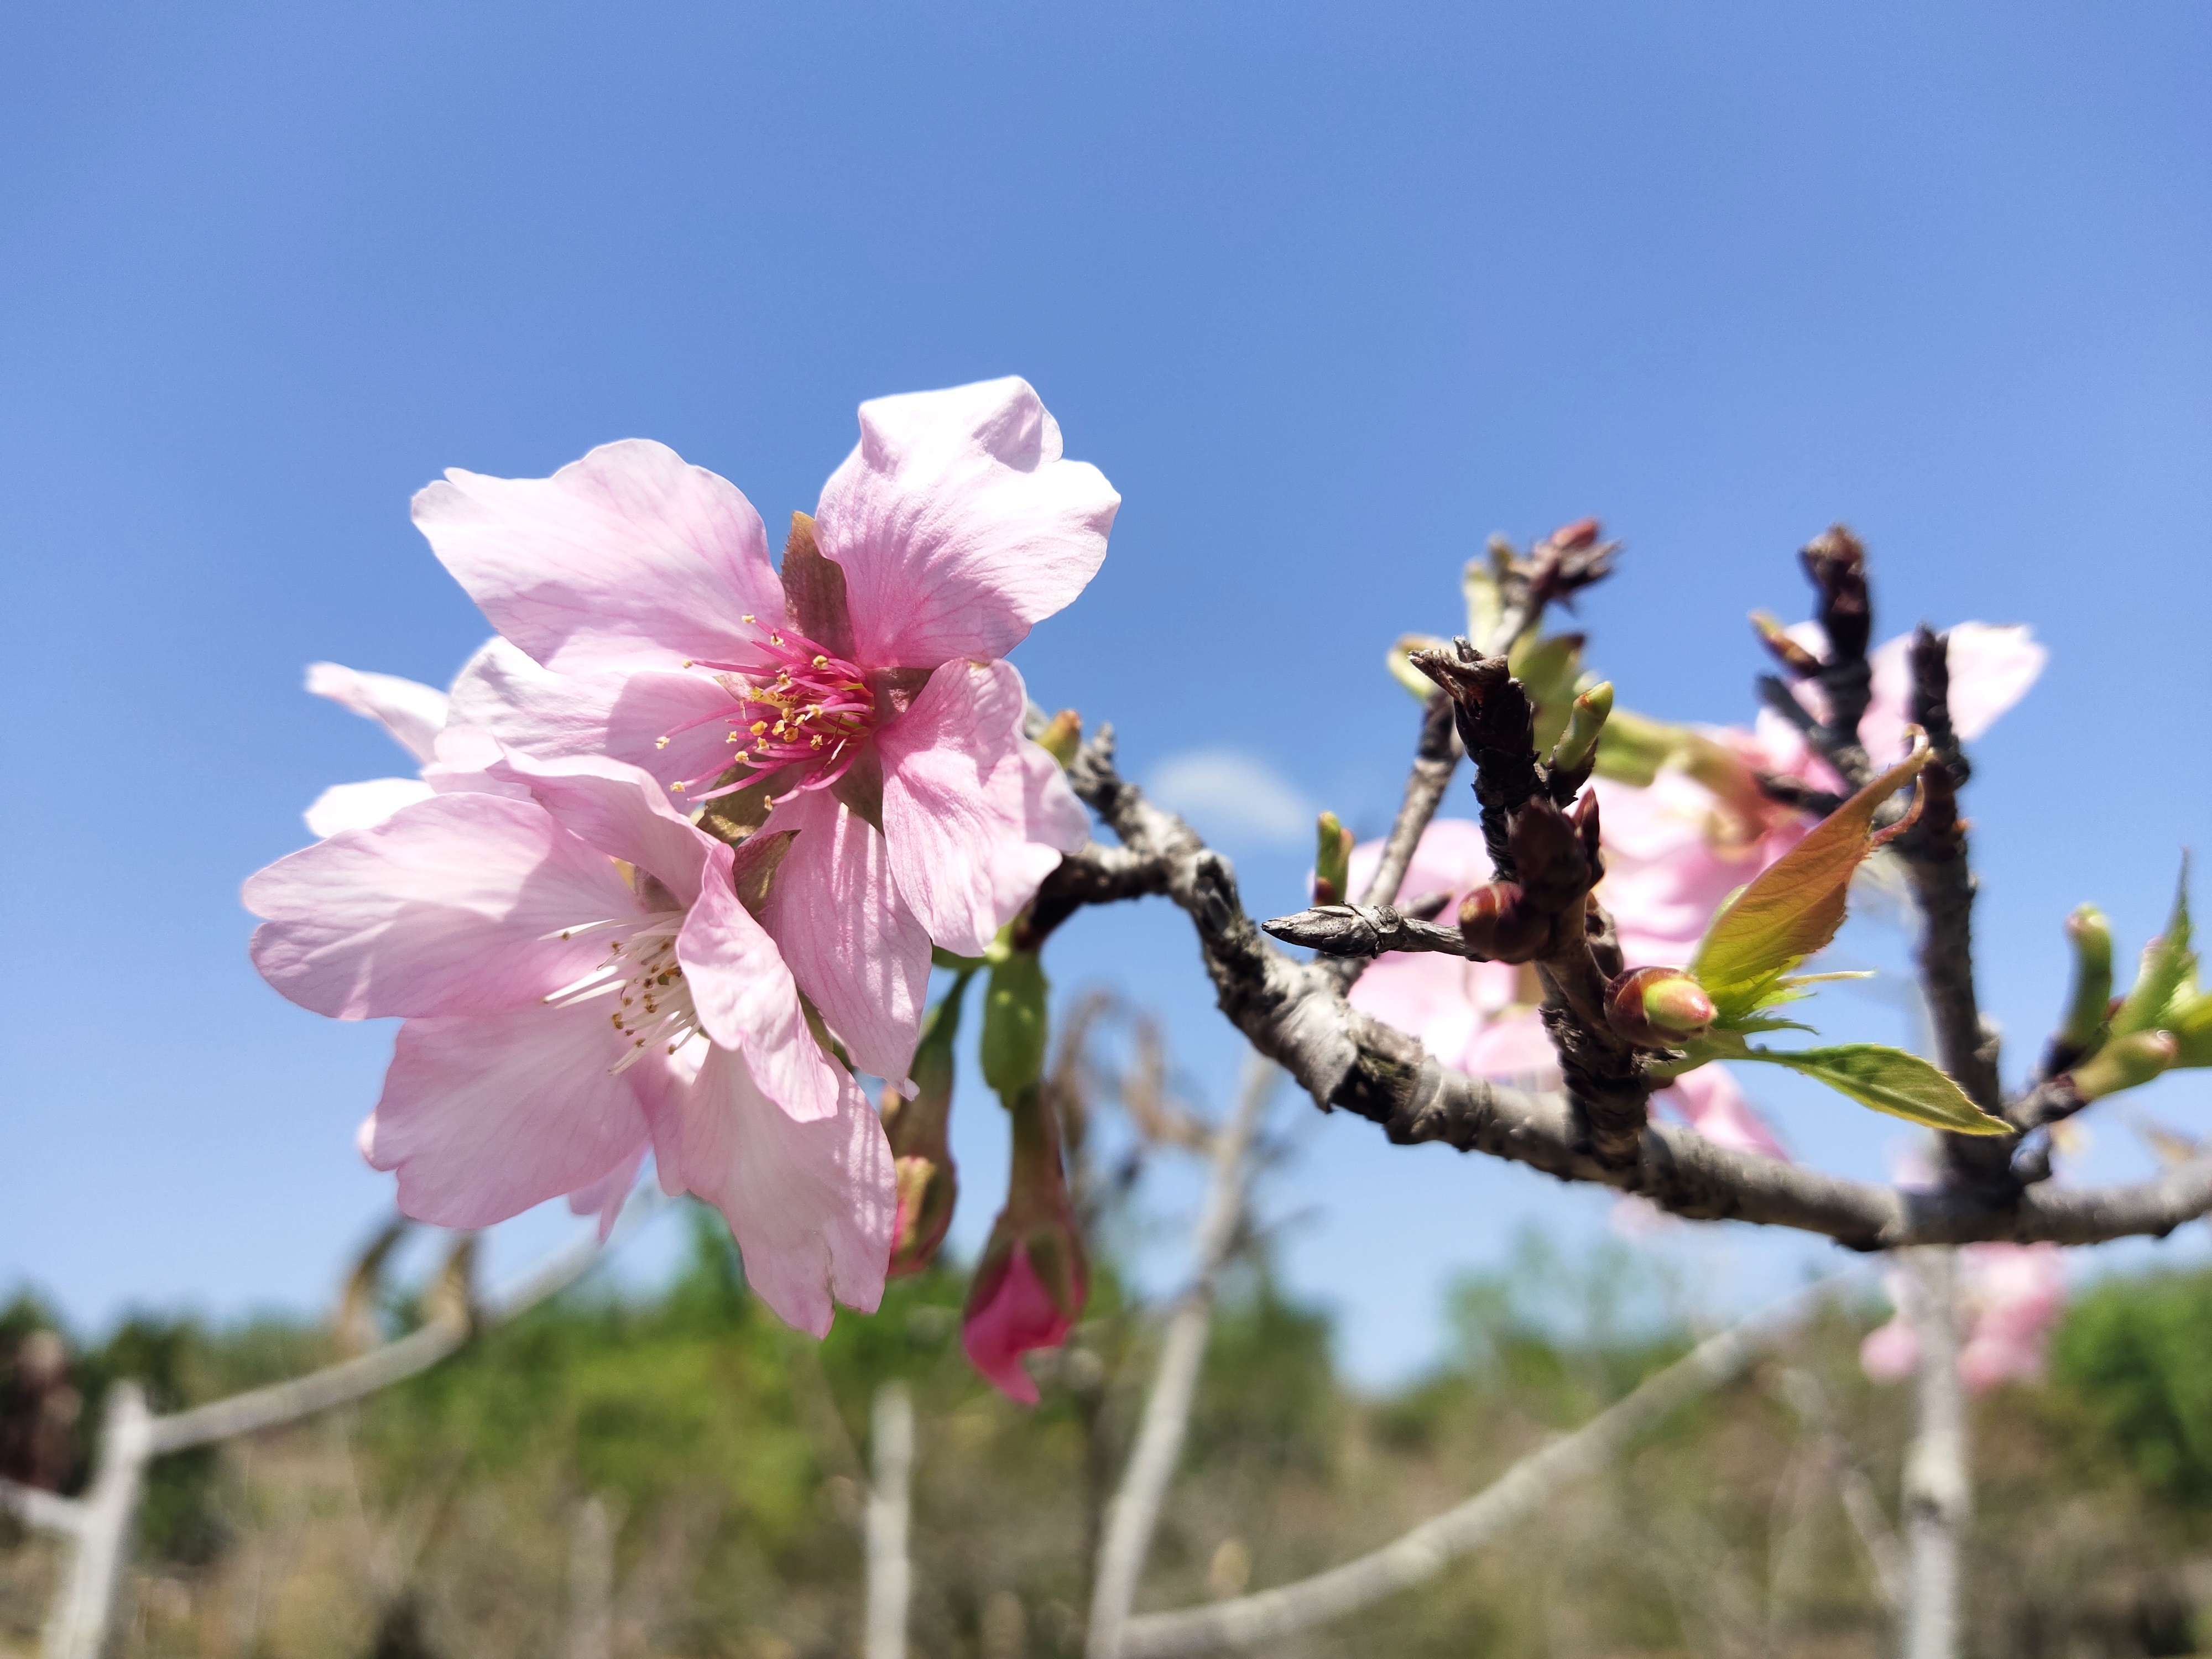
[(442, 1518)]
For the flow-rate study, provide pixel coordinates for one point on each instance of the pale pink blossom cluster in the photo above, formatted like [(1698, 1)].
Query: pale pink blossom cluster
[(2010, 1296), (586, 975)]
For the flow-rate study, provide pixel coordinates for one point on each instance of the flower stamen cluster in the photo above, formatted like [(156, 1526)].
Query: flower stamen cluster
[(801, 705)]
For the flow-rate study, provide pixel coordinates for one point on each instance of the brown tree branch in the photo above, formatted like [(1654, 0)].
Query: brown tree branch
[(1294, 1013)]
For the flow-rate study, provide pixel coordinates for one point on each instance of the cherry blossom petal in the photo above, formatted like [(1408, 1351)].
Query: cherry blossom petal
[(485, 1115), (620, 810), (1442, 1000), (454, 905), (854, 946), (1515, 1049), (605, 1197), (1054, 817), (810, 1204), (956, 806), (1712, 1103), (747, 1001), (532, 710), (958, 525), (358, 805), (410, 711), (1450, 858), (627, 557), (1891, 1352)]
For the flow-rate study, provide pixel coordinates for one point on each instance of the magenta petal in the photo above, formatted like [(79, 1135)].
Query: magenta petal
[(957, 806), (409, 710), (620, 810), (484, 1115), (810, 1204), (958, 525), (626, 557), (535, 711), (1018, 1316), (747, 1001), (852, 943), (454, 905)]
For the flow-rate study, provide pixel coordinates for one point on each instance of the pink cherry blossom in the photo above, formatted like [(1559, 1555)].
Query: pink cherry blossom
[(1011, 1313), (650, 625), (578, 978), (2010, 1296), (1711, 1102), (451, 756), (1676, 849)]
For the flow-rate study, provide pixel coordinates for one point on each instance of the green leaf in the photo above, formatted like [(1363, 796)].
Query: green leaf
[(1795, 905), (1890, 1080), (2191, 1022), (2168, 963)]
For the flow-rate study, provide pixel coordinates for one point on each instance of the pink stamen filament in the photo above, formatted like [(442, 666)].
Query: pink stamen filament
[(797, 707)]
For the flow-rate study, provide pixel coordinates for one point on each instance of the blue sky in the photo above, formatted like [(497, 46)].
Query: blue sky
[(1329, 293)]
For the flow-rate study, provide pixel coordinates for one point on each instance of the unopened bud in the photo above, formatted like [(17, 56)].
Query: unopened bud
[(1787, 652), (1658, 1007), (1061, 737), (1585, 724), (2125, 1062), (1012, 1050), (1032, 1278), (2091, 936), (1332, 862), (1571, 537), (919, 1130), (1500, 924)]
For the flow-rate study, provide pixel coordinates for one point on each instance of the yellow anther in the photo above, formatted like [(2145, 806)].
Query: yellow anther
[(745, 619), (821, 662), (758, 727), (660, 743)]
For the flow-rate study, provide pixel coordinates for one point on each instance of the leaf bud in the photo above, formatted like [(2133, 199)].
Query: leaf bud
[(1658, 1007), (2091, 936), (1061, 737), (1787, 652), (1332, 862), (1585, 724), (1032, 1278), (2125, 1062)]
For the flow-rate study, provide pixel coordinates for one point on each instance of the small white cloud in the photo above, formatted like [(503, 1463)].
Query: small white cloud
[(1231, 795)]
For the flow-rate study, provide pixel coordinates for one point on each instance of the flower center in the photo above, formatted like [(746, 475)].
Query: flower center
[(652, 1004), (793, 704)]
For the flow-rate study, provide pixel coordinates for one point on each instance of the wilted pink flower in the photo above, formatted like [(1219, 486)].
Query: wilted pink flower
[(1009, 1313), (868, 690), (1031, 1278), (2010, 1296), (578, 976)]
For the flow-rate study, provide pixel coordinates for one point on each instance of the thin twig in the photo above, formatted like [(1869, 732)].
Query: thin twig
[(1135, 1511), (1523, 1490), (419, 1350)]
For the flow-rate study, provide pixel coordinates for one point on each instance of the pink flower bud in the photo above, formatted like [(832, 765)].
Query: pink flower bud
[(1031, 1283)]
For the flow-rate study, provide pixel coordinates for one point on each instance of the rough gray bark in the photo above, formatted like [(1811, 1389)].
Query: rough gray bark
[(1295, 1013)]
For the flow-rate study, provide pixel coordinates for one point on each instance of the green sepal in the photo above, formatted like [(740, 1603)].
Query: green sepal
[(2168, 963)]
